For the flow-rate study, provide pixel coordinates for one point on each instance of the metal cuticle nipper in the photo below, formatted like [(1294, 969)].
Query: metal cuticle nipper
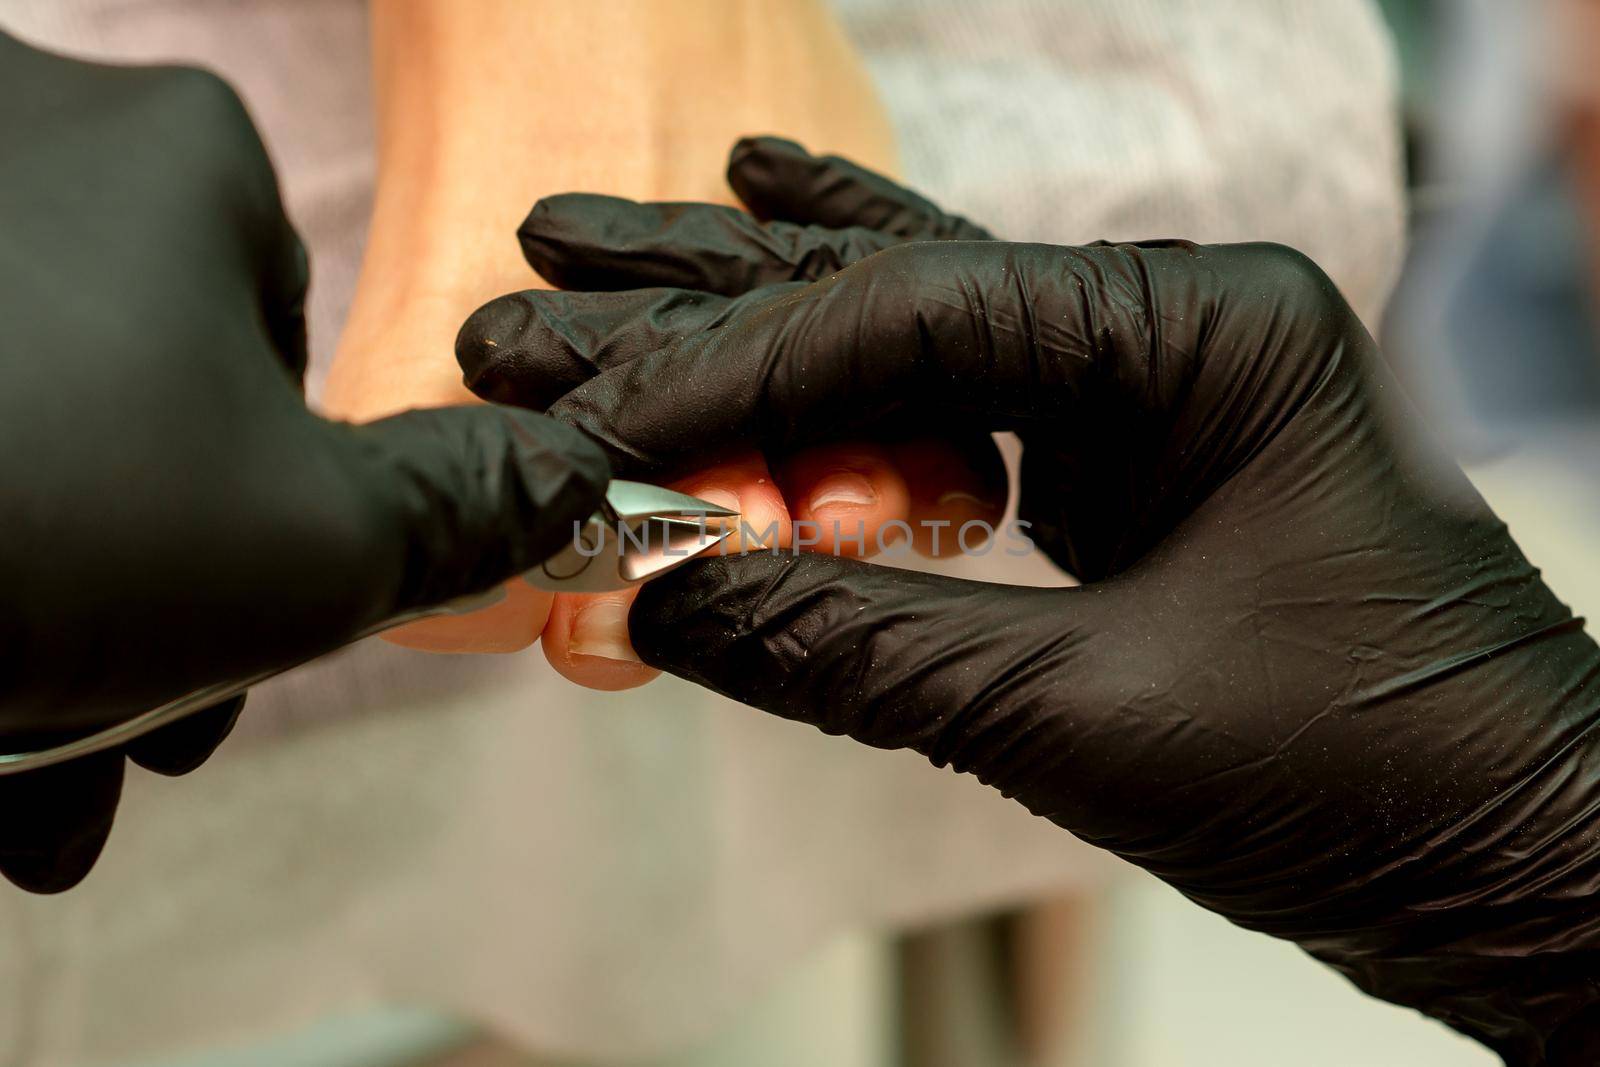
[(640, 532)]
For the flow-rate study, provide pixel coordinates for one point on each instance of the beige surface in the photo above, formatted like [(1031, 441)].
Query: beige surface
[(486, 107)]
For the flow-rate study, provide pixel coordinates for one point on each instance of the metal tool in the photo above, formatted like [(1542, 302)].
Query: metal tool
[(640, 531)]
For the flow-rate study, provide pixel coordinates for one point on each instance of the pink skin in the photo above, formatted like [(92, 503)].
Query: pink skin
[(508, 626), (586, 637), (859, 486), (944, 488)]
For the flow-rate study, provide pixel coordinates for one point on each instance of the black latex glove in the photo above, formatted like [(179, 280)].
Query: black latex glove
[(171, 515), (1309, 680)]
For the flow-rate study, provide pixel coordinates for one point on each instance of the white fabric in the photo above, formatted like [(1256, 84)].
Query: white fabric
[(1216, 120), (595, 874)]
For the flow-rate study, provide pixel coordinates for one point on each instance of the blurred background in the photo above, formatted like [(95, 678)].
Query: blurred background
[(1440, 159)]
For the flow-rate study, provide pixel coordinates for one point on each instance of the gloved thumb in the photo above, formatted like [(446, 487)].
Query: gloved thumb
[(467, 497), (892, 658)]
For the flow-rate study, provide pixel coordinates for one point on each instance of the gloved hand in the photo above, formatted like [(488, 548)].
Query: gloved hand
[(1309, 679), (171, 515)]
